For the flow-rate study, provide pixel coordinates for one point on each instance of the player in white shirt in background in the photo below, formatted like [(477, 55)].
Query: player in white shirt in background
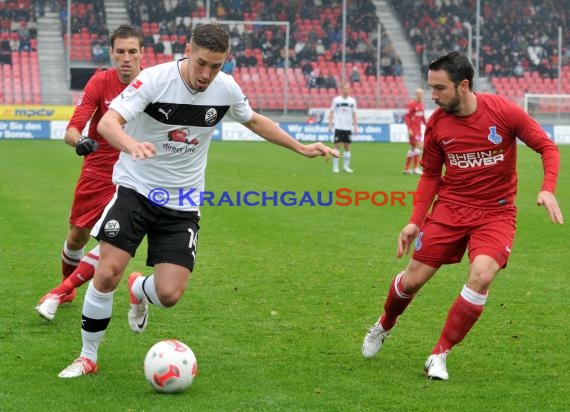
[(342, 116), (163, 123)]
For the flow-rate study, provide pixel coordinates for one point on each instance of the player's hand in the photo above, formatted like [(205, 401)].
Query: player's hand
[(406, 238), (142, 150), (85, 145), (548, 200), (319, 149)]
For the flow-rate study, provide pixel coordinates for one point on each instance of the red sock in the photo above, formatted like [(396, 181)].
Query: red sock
[(408, 162), (68, 266), (396, 302), (460, 319), (82, 273)]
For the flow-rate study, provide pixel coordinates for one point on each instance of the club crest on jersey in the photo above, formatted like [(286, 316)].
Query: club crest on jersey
[(131, 89), (419, 241), (493, 137), (112, 228), (211, 116)]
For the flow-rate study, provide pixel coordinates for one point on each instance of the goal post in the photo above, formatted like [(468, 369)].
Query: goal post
[(547, 106)]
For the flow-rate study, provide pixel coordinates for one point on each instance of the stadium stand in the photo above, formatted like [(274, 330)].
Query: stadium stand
[(518, 44), (19, 68), (315, 42), (89, 32), (518, 48)]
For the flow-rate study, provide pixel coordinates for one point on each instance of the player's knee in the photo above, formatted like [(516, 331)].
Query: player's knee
[(106, 278), (170, 297)]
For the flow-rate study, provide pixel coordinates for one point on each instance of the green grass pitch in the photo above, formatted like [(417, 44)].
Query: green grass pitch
[(281, 297)]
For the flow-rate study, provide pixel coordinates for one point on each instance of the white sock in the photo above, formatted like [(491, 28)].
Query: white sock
[(74, 255), (145, 287), (335, 162), (346, 158), (473, 297), (96, 315), (92, 257)]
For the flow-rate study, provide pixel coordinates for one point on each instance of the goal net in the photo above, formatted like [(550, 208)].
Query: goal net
[(547, 106)]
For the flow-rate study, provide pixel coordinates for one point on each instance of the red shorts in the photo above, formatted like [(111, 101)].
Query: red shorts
[(91, 197), (451, 229)]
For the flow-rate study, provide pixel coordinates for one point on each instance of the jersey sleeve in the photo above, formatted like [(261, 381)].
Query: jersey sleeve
[(240, 110), (532, 134), (135, 97), (87, 105), (432, 164), (408, 115)]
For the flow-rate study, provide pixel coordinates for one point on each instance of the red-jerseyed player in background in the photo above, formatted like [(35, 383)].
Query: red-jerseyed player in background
[(474, 137), (414, 119), (94, 188)]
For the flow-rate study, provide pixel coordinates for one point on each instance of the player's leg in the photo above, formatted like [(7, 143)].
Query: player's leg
[(97, 308), (172, 252), (49, 303), (72, 252), (400, 293), (489, 250), (335, 168), (347, 154), (409, 158), (463, 314), (417, 152)]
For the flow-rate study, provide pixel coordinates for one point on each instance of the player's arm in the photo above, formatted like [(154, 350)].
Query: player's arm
[(111, 128), (428, 185), (72, 136), (90, 97), (271, 132), (355, 121), (532, 134)]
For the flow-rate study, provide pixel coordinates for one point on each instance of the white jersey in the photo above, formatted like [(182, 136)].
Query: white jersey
[(161, 109), (343, 109)]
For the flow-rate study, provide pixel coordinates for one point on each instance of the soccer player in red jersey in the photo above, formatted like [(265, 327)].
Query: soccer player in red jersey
[(94, 188), (474, 136), (414, 119)]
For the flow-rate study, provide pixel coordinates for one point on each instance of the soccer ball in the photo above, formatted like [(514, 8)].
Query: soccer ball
[(170, 366)]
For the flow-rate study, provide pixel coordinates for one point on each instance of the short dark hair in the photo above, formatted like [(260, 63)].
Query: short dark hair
[(125, 31), (457, 66), (211, 36)]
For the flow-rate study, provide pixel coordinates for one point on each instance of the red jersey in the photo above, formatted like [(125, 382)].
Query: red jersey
[(94, 102), (479, 153), (415, 117)]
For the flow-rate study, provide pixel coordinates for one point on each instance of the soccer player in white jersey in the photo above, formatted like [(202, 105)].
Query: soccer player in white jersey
[(163, 124), (342, 116)]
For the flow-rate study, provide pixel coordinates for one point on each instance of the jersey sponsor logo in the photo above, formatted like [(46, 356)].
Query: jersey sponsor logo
[(211, 116), (131, 89), (112, 228), (181, 135), (493, 137), (476, 159), (178, 135)]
